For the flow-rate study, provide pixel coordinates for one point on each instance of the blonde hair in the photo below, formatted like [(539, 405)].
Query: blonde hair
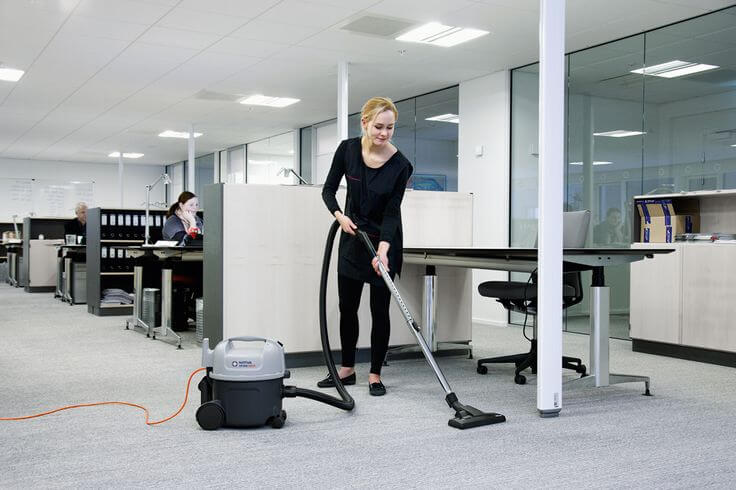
[(371, 109)]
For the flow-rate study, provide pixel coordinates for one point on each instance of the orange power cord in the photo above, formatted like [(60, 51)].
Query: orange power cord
[(186, 398)]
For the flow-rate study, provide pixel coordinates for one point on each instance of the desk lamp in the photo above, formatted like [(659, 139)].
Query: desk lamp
[(15, 225), (286, 171), (167, 181)]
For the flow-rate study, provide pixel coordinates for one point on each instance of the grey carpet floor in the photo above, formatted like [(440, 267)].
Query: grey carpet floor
[(53, 354)]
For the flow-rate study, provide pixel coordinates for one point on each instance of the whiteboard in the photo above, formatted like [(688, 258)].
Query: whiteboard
[(42, 197)]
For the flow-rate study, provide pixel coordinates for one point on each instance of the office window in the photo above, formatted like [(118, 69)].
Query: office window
[(268, 157), (681, 132), (204, 173), (232, 165), (429, 144)]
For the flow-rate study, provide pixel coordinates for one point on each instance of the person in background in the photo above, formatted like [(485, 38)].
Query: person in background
[(78, 225), (376, 173), (182, 219), (611, 230)]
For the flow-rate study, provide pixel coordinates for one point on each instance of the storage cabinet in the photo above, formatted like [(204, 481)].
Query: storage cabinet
[(684, 304), (109, 231)]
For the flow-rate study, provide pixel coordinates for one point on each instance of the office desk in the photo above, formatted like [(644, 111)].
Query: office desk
[(71, 273), (165, 257), (525, 260)]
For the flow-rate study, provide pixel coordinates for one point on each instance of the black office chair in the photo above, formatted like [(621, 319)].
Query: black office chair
[(522, 297)]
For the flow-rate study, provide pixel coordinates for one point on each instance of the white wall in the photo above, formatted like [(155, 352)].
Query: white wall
[(484, 121), (104, 175)]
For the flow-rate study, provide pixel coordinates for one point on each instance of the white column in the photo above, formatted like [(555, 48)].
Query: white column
[(190, 163), (120, 176), (551, 155), (342, 101)]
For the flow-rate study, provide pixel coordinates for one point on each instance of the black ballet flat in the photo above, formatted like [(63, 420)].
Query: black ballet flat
[(328, 382), (377, 389)]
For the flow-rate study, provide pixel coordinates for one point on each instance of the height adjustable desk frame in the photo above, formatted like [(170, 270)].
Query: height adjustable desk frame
[(525, 260), (166, 255)]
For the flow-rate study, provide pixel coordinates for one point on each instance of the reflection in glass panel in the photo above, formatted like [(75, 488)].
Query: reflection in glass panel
[(268, 157), (233, 167), (692, 117), (437, 122), (204, 173)]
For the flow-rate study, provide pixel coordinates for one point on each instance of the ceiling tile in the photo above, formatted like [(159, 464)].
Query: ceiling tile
[(420, 11), (310, 14), (247, 47), (238, 8), (280, 32), (196, 20), (79, 25), (178, 38), (135, 11)]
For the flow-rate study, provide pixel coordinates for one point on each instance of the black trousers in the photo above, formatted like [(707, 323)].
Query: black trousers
[(349, 291)]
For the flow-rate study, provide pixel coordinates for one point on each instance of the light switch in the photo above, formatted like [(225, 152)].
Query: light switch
[(479, 151)]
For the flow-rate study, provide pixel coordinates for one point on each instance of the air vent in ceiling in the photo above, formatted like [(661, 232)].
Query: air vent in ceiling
[(378, 26)]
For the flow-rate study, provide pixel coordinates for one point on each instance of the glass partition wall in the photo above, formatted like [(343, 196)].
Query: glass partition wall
[(653, 113)]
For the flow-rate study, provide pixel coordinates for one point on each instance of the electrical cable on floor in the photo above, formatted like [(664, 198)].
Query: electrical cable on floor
[(129, 404)]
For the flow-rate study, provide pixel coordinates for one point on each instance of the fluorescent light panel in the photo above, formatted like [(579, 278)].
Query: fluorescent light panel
[(676, 68), (125, 155), (451, 118), (10, 74), (594, 163), (269, 101), (441, 35), (620, 133), (177, 134)]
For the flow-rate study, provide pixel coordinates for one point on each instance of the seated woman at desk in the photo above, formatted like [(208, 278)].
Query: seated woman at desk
[(182, 219)]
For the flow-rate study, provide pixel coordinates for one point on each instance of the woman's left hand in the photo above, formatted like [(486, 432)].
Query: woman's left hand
[(383, 256)]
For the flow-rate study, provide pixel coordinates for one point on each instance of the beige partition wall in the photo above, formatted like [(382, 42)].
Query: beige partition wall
[(273, 240)]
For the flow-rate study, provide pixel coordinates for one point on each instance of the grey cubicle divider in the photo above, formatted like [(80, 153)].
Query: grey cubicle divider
[(213, 205)]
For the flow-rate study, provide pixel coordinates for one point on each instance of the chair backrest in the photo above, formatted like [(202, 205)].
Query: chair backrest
[(575, 228), (574, 232)]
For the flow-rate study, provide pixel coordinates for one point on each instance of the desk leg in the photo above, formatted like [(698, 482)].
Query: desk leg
[(59, 293), (135, 320), (429, 318), (600, 374), (68, 281), (166, 288)]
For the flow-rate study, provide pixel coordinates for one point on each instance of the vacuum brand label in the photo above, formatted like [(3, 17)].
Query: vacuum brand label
[(244, 364)]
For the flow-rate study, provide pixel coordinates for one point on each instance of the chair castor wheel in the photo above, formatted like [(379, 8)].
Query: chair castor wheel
[(278, 421), (581, 370), (482, 369), (520, 379), (211, 415)]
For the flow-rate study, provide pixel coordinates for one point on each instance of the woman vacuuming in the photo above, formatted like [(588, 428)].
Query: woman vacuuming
[(376, 173)]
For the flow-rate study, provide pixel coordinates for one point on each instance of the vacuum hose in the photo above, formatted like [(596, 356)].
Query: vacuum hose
[(345, 402)]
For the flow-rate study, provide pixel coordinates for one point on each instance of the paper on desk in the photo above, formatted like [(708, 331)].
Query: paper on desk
[(166, 243)]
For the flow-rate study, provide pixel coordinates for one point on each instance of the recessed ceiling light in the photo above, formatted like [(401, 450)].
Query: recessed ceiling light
[(451, 118), (10, 74), (268, 100), (441, 35), (734, 146), (594, 163), (620, 133), (177, 134), (125, 155), (676, 68)]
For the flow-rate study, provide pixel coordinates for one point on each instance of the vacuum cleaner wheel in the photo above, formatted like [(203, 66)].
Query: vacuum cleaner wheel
[(211, 415)]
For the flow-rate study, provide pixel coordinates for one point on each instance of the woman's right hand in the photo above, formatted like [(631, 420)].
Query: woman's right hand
[(346, 224)]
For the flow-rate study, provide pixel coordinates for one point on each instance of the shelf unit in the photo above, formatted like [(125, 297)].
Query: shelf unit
[(109, 231), (687, 310)]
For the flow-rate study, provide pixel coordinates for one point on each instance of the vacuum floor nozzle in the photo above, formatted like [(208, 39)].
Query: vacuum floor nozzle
[(468, 417)]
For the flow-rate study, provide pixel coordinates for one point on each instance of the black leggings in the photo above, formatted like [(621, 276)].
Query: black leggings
[(349, 291)]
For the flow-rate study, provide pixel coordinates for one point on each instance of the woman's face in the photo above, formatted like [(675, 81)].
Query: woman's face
[(381, 129), (191, 205)]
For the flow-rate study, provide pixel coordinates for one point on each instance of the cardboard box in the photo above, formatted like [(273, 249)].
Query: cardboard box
[(663, 219)]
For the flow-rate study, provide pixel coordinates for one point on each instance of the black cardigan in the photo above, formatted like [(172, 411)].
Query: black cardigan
[(373, 203)]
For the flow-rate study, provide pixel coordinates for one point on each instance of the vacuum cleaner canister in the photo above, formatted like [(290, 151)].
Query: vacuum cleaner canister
[(244, 383)]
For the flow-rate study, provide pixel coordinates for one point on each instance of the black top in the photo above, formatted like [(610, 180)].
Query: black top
[(174, 228), (74, 227), (373, 202)]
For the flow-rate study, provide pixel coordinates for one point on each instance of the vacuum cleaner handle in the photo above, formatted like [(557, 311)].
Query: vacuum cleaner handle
[(248, 338), (366, 241)]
